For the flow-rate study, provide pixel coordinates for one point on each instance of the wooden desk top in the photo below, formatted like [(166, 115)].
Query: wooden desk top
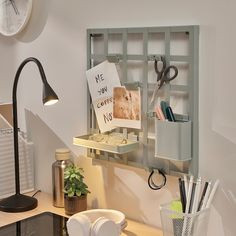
[(45, 205)]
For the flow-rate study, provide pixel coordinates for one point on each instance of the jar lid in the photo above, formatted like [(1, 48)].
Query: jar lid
[(62, 154)]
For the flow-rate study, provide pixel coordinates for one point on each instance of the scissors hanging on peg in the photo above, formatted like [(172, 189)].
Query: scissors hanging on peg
[(164, 74)]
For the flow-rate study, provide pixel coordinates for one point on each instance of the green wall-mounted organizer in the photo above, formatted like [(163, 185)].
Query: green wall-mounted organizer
[(161, 144)]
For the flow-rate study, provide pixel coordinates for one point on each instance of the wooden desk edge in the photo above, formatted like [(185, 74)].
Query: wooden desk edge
[(45, 205)]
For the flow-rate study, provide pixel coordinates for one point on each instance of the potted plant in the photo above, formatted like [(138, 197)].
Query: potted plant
[(75, 190)]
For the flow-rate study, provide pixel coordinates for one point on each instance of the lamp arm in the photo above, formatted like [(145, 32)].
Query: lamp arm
[(15, 122)]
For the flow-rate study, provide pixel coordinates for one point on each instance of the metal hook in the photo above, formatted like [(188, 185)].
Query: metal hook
[(154, 57), (114, 58), (151, 183)]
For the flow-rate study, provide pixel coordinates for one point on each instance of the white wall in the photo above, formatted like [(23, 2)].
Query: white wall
[(57, 36)]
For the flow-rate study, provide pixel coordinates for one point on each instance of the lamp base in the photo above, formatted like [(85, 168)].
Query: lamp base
[(18, 203)]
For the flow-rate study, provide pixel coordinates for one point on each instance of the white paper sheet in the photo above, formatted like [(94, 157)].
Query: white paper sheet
[(101, 80)]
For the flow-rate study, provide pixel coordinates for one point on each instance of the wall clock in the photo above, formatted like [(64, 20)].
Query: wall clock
[(14, 15)]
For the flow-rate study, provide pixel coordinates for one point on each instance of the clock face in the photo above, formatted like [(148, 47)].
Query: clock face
[(14, 15)]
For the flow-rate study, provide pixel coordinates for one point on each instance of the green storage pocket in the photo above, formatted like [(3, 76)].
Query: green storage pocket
[(173, 140)]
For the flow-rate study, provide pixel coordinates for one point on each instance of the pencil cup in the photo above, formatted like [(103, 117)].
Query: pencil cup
[(176, 223)]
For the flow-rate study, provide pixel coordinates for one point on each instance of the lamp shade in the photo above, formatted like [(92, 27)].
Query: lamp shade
[(49, 96)]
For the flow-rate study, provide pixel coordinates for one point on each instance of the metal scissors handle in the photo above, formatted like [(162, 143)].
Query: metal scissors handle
[(163, 66), (166, 77), (163, 75)]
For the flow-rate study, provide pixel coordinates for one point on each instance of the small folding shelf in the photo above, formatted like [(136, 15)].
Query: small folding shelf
[(84, 141)]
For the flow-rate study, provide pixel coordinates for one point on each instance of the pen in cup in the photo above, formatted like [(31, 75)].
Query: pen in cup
[(197, 195), (202, 196), (196, 199), (186, 184), (206, 196), (212, 194), (189, 193), (182, 194)]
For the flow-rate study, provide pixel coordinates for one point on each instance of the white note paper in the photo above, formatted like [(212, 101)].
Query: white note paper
[(101, 80)]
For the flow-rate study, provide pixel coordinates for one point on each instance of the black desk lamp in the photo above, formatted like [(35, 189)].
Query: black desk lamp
[(19, 202)]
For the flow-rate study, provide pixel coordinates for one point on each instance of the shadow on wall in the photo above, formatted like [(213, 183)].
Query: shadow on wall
[(121, 192), (7, 67), (125, 188), (37, 21), (131, 193), (45, 143), (223, 159), (108, 190)]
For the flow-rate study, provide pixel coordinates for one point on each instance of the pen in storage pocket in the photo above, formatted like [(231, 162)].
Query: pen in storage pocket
[(170, 114), (164, 105), (159, 113)]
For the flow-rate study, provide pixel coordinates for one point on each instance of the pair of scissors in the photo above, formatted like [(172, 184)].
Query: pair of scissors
[(164, 73)]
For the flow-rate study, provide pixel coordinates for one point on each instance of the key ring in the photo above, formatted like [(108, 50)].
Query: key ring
[(151, 183)]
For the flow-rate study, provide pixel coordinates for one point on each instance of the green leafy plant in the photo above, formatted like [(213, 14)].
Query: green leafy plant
[(74, 182)]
